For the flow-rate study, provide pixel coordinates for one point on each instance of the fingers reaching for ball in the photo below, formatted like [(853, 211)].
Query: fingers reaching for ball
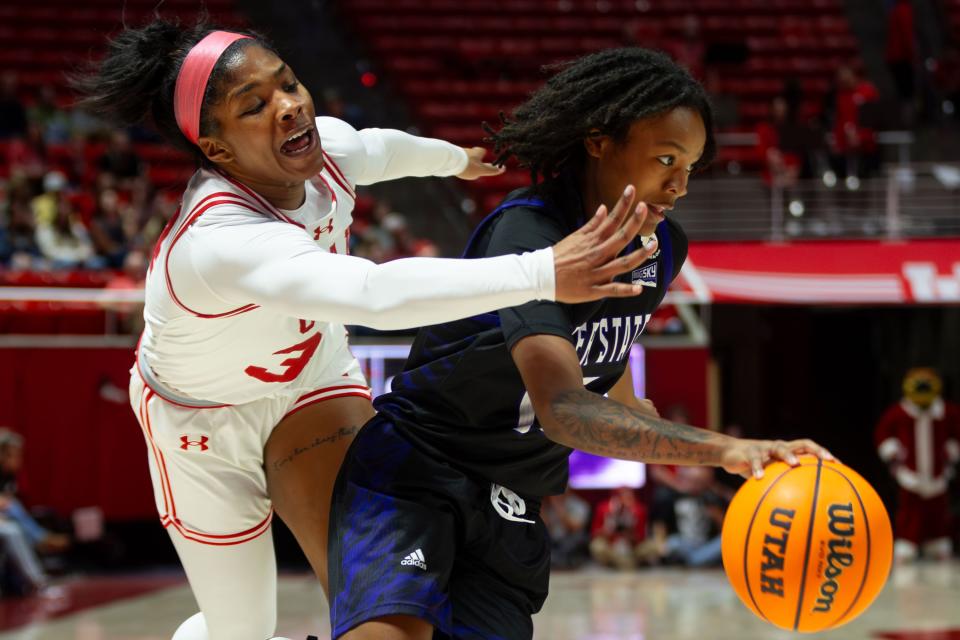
[(749, 457), (805, 446)]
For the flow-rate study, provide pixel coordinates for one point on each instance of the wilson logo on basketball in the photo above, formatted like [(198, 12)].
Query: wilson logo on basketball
[(774, 551), (840, 523), (839, 551), (201, 443)]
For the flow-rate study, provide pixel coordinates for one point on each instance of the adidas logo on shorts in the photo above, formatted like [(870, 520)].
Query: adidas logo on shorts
[(415, 559)]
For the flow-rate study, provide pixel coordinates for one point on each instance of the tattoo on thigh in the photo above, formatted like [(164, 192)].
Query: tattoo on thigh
[(340, 434)]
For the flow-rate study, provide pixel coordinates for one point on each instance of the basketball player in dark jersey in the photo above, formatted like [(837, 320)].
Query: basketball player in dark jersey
[(435, 531)]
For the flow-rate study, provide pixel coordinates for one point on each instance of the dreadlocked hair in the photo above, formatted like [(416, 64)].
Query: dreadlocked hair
[(606, 91), (135, 82)]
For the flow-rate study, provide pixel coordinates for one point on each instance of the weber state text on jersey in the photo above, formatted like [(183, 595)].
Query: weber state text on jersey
[(460, 396)]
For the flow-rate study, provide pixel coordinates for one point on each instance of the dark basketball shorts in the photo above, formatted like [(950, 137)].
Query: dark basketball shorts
[(412, 535)]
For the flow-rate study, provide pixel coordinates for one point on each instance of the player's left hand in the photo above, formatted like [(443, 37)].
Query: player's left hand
[(749, 457), (476, 167)]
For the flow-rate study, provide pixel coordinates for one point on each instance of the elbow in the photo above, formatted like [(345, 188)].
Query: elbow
[(550, 413), (565, 413), (556, 431)]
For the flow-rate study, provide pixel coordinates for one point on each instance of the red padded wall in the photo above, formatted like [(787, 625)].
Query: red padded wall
[(83, 444)]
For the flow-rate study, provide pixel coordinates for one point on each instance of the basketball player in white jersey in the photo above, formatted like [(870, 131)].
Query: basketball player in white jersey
[(244, 383)]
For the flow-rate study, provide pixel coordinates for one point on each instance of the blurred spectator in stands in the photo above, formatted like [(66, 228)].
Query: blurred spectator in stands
[(53, 121), (64, 241), (75, 163), (335, 106), (901, 54), (854, 145), (120, 161), (946, 78), (667, 482), (666, 320), (129, 316), (689, 50), (425, 248), (21, 535), (367, 246), (86, 127), (11, 464), (18, 245), (664, 476), (28, 154), (108, 230), (778, 146), (134, 273), (686, 522), (688, 518), (18, 242), (696, 542), (46, 204), (401, 240), (13, 115), (566, 517), (619, 528), (153, 218), (726, 108), (377, 231)]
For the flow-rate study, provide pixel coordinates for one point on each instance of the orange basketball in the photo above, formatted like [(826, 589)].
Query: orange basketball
[(807, 548)]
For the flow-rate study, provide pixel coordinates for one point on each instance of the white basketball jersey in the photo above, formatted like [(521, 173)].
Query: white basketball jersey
[(198, 346), (242, 296)]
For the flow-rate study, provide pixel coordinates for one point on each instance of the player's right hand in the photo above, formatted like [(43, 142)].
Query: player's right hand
[(748, 457), (587, 260)]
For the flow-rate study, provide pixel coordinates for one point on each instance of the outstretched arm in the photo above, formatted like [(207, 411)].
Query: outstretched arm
[(573, 416), (277, 265), (393, 154), (376, 155)]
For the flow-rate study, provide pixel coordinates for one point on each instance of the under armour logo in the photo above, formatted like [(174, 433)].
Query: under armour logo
[(187, 443), (326, 229)]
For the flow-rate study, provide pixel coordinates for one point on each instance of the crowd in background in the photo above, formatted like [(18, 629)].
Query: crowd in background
[(76, 194), (23, 540), (674, 520)]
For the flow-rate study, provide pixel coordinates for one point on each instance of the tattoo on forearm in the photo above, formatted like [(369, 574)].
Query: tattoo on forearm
[(605, 427), (319, 441)]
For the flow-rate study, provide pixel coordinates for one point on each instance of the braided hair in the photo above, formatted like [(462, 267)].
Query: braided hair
[(606, 91), (136, 80)]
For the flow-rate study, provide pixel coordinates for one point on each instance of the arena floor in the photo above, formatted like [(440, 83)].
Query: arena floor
[(919, 603)]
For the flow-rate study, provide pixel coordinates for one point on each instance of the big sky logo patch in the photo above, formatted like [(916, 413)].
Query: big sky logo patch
[(645, 276)]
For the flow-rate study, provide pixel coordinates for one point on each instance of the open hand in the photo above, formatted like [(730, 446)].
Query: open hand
[(587, 260), (749, 457), (476, 167)]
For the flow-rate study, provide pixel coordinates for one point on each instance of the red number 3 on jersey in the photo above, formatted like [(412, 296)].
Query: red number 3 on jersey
[(292, 366)]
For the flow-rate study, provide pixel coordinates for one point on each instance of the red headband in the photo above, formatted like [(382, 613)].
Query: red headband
[(193, 77)]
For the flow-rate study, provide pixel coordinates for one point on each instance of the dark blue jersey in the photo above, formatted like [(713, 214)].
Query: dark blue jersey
[(460, 396)]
